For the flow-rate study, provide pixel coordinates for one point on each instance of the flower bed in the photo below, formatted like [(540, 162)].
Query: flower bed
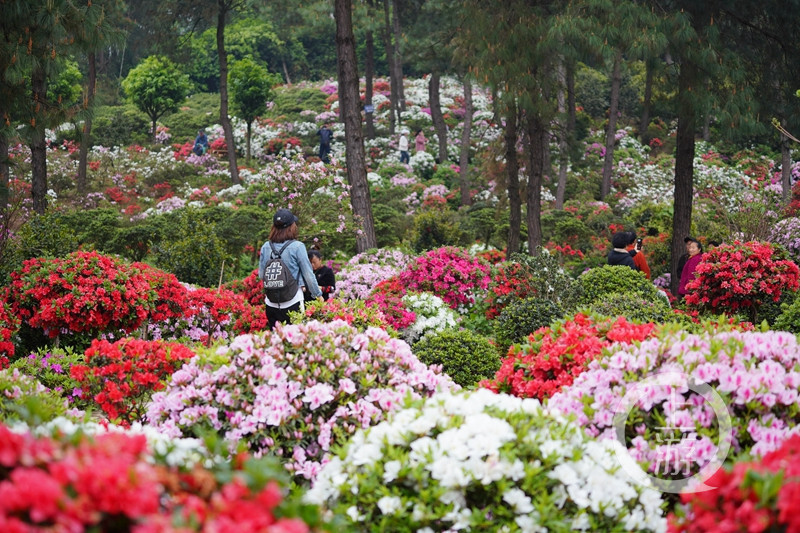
[(482, 462), (295, 392)]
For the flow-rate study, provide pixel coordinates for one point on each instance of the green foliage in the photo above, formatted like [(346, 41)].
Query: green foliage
[(592, 90), (633, 307), (25, 399), (599, 282), (48, 235), (435, 228), (445, 175), (134, 242), (51, 368), (389, 224), (199, 111), (96, 228), (251, 87), (657, 218), (789, 319), (66, 89), (521, 318), (289, 103), (119, 126), (156, 86), (243, 226), (192, 251), (465, 356), (550, 279)]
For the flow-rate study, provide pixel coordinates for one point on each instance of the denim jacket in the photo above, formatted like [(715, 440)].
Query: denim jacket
[(295, 257)]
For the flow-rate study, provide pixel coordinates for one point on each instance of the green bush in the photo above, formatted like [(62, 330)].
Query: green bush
[(445, 175), (435, 228), (633, 307), (23, 398), (51, 368), (789, 319), (521, 318), (550, 279), (465, 356), (49, 235), (120, 126), (199, 111), (599, 282), (95, 228), (134, 242), (290, 102), (388, 225), (592, 89)]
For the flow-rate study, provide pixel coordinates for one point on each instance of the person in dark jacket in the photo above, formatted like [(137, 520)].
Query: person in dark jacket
[(326, 279), (619, 255)]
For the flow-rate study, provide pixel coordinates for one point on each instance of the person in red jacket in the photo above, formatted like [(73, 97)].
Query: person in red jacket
[(639, 259)]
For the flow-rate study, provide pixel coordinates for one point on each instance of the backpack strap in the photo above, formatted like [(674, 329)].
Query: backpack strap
[(278, 252)]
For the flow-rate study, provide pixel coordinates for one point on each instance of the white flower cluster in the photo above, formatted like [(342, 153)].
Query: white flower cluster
[(433, 315), (422, 162), (486, 461)]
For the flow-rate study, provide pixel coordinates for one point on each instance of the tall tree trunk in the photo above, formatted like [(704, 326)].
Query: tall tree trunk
[(563, 147), (571, 118), (5, 174), (436, 115), (349, 102), (512, 171), (286, 71), (611, 130), (786, 165), (38, 143), (83, 158), (537, 133), (398, 59), (464, 159), (247, 141), (495, 106), (223, 91), (369, 74), (684, 169), (387, 43), (644, 123)]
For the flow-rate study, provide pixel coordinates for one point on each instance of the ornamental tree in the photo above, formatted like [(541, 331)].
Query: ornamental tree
[(157, 87), (742, 277), (251, 86)]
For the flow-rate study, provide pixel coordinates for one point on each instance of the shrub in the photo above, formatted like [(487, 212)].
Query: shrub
[(771, 481), (755, 374), (72, 481), (24, 398), (434, 228), (478, 461), (510, 283), (48, 235), (741, 276), (387, 297), (450, 273), (296, 391), (787, 233), (355, 312), (633, 307), (789, 319), (121, 377), (553, 357), (51, 368), (521, 318), (599, 282), (546, 274), (9, 324), (432, 315), (120, 126), (465, 356)]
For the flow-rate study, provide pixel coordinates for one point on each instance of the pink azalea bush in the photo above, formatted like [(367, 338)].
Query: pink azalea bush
[(450, 273), (296, 391), (756, 374), (363, 271)]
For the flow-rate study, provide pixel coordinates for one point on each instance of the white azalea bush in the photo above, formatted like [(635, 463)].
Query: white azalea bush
[(483, 462), (433, 315)]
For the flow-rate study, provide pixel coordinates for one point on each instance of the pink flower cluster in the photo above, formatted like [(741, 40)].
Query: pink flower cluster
[(450, 273), (296, 391), (364, 271), (755, 373)]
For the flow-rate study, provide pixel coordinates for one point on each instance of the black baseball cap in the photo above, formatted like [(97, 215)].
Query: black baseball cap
[(283, 219), (687, 240)]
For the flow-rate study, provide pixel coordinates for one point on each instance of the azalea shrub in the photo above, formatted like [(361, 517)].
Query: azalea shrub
[(757, 376), (294, 392), (758, 495), (120, 377), (789, 319), (511, 282), (116, 482), (482, 462), (250, 287), (787, 233), (463, 355), (355, 312), (633, 307), (363, 271), (9, 324), (523, 317), (741, 277), (22, 397), (432, 315), (51, 367), (554, 356), (387, 297), (599, 282), (450, 273)]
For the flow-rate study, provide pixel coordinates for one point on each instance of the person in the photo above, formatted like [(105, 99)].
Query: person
[(326, 279), (420, 141), (200, 143), (695, 251), (283, 236), (402, 145), (639, 259), (325, 136), (619, 255)]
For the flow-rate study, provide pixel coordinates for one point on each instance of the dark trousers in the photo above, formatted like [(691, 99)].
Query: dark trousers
[(280, 315), (404, 158), (324, 152)]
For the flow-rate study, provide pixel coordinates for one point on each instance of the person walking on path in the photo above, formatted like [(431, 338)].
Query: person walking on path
[(283, 243), (402, 145), (325, 137), (420, 141)]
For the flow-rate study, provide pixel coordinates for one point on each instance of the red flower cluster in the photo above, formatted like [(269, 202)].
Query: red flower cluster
[(553, 356), (741, 276), (355, 313), (121, 376), (511, 283), (9, 324), (756, 497), (493, 256), (250, 287), (109, 484), (387, 297)]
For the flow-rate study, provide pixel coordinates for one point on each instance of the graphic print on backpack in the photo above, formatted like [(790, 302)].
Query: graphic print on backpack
[(279, 284)]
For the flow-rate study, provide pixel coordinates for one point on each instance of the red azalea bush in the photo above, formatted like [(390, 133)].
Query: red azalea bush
[(741, 277), (511, 283), (171, 297), (553, 356), (758, 496), (9, 324), (492, 256), (387, 297), (83, 292), (121, 377), (250, 287), (450, 273), (111, 482)]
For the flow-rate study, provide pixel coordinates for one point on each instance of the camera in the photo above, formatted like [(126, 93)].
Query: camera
[(639, 243)]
